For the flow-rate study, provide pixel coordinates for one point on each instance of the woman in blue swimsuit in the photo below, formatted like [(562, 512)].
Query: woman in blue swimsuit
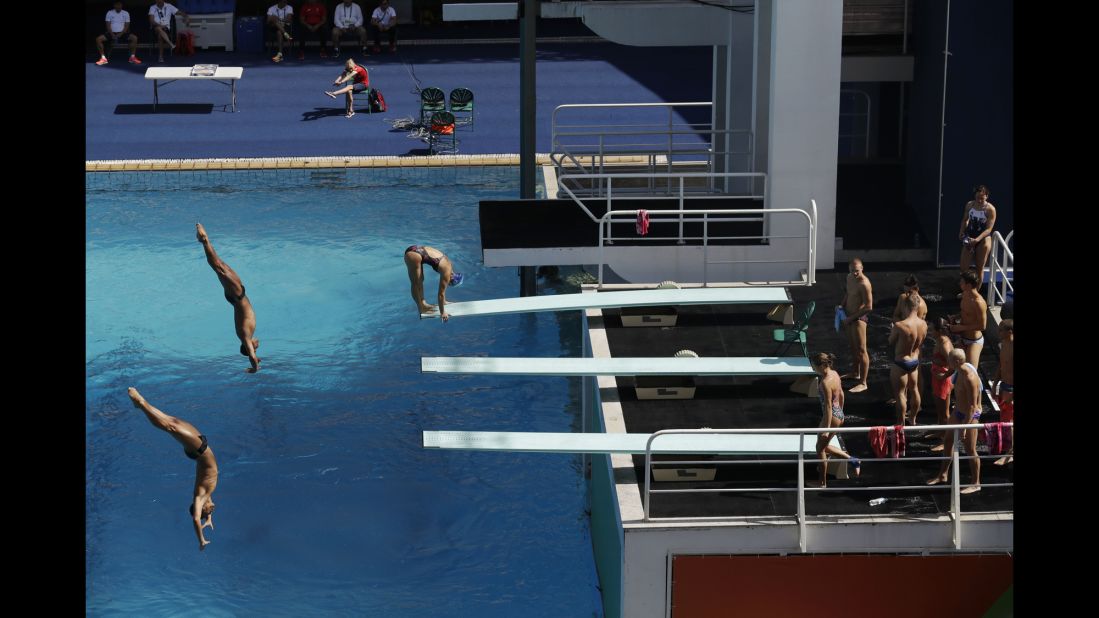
[(414, 258), (831, 402), (976, 232)]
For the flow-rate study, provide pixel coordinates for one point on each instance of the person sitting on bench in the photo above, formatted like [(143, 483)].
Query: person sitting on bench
[(117, 30)]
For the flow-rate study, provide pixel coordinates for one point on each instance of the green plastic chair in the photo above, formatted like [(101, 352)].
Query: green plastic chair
[(787, 337), (431, 100), (442, 130), (461, 100)]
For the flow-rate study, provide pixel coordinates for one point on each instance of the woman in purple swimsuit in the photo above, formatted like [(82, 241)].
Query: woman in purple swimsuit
[(414, 258)]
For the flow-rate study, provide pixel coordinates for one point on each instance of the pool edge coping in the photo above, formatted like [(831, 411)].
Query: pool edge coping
[(334, 161)]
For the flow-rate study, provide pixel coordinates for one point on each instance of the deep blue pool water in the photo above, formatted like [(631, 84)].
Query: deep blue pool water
[(326, 502)]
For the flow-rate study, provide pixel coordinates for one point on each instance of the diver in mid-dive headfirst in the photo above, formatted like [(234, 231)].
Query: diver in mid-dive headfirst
[(243, 316), (196, 448)]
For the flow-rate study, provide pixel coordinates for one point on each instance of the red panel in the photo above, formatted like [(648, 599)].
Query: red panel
[(849, 586)]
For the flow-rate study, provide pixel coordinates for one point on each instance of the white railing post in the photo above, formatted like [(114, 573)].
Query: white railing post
[(602, 257), (681, 241), (706, 250), (802, 541), (990, 293), (955, 491)]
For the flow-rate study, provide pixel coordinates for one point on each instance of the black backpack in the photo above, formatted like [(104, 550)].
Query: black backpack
[(377, 101)]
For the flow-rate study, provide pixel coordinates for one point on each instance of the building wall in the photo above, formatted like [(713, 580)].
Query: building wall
[(648, 547), (729, 586), (978, 137), (803, 120)]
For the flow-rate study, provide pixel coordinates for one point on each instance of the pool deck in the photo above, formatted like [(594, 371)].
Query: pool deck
[(283, 112)]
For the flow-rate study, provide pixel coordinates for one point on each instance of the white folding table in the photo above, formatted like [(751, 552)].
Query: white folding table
[(162, 76)]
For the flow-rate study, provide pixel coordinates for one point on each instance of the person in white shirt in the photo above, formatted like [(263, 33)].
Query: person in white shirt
[(347, 18), (117, 29), (384, 19), (280, 18), (161, 15)]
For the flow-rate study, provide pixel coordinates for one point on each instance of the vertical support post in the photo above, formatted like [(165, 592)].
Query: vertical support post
[(681, 241), (955, 491), (528, 11), (801, 492)]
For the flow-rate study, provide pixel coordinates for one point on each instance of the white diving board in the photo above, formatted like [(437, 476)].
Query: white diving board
[(621, 443), (657, 366), (628, 298)]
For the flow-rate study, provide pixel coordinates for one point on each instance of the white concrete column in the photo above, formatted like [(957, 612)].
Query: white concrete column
[(803, 114)]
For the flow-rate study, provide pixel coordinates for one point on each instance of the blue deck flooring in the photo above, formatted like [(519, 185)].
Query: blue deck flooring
[(283, 111)]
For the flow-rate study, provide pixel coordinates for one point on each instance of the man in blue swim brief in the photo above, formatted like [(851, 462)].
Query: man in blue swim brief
[(905, 339)]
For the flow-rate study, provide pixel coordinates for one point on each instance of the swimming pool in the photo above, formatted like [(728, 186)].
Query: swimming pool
[(327, 504)]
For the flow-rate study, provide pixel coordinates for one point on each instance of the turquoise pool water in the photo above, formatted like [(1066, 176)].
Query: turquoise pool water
[(327, 504)]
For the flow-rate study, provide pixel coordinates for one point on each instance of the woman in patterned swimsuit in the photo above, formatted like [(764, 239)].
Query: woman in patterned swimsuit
[(831, 403)]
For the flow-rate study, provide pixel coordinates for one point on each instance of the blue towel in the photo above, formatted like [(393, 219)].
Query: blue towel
[(841, 315)]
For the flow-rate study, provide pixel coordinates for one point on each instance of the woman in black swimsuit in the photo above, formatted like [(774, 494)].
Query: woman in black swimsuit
[(414, 258), (243, 316), (976, 232)]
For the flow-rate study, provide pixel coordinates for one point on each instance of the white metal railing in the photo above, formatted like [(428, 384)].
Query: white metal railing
[(678, 179), (708, 216), (1001, 266), (662, 143), (954, 486)]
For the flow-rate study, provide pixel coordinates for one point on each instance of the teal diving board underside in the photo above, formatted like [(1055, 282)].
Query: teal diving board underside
[(628, 298), (621, 443), (659, 366)]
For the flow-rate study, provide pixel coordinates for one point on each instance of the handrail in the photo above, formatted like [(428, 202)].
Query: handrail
[(1001, 260), (738, 215), (954, 485), (605, 135), (670, 175)]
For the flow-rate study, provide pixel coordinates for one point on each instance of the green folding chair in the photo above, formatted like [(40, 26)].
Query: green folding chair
[(440, 131), (787, 337), (431, 100), (461, 100)]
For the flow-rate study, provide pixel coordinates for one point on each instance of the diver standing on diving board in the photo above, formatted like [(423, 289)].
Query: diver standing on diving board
[(414, 258)]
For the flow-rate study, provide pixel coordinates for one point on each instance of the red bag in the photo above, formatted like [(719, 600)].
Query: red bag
[(377, 101), (185, 43)]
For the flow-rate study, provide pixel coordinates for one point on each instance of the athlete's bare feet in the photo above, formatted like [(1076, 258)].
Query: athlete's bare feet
[(937, 480), (849, 375), (1006, 459), (858, 388), (938, 448), (136, 398), (428, 308), (200, 233), (972, 489)]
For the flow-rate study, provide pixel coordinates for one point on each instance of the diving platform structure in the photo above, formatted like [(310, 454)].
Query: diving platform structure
[(648, 488), (630, 298)]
